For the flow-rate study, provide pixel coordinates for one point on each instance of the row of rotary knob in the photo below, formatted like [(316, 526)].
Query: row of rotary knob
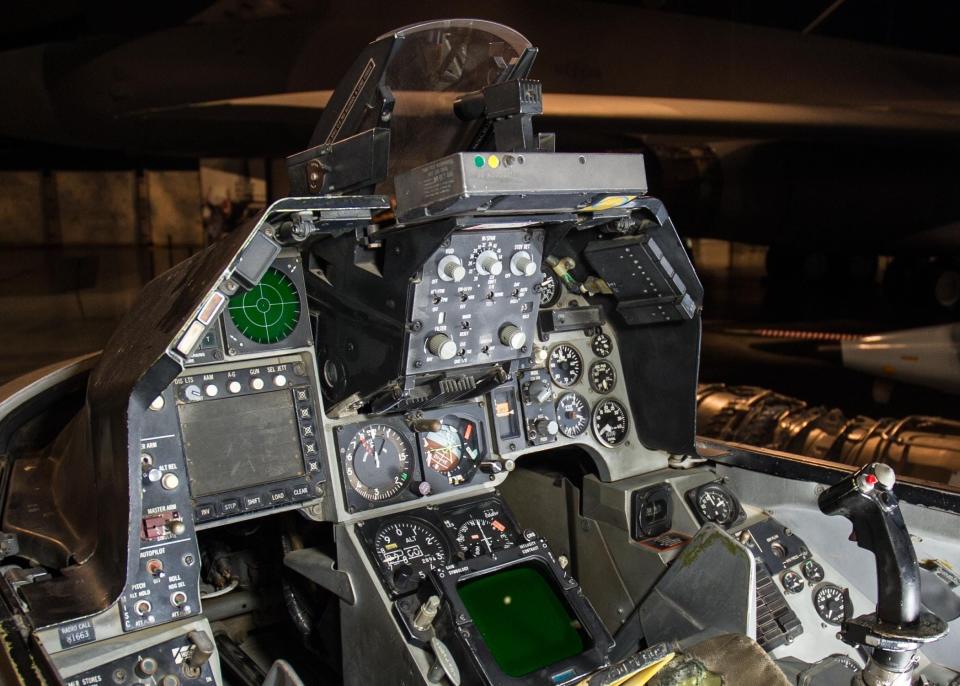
[(450, 267), (441, 345)]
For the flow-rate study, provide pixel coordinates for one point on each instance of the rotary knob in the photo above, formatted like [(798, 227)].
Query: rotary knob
[(146, 667), (538, 391), (488, 262), (512, 336), (439, 344), (546, 427), (522, 264), (451, 269)]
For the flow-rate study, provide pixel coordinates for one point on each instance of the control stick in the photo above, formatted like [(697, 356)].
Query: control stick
[(899, 626)]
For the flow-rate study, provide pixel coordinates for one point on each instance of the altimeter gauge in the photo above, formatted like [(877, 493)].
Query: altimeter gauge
[(407, 549)]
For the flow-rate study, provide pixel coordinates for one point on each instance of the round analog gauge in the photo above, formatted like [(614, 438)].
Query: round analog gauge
[(549, 290), (829, 603), (409, 548), (565, 365), (610, 422), (601, 345), (573, 415), (482, 535), (270, 311), (715, 504), (812, 571), (379, 462), (454, 449), (792, 582), (603, 377)]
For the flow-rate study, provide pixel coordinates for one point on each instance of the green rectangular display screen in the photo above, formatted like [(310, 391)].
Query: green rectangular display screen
[(524, 622)]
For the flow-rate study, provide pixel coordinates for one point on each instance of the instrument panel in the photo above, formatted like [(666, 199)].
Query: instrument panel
[(395, 459), (575, 395), (236, 434), (406, 547), (476, 301)]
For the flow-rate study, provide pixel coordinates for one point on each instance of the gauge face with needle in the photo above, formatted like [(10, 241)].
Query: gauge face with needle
[(573, 414), (549, 290), (715, 504), (601, 345), (378, 462), (610, 422), (565, 365), (454, 449), (484, 534), (603, 377), (830, 603), (409, 542)]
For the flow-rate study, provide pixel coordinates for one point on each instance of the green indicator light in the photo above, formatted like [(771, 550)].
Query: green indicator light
[(270, 311), (478, 160)]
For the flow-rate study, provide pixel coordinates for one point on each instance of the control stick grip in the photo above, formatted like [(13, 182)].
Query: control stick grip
[(867, 500)]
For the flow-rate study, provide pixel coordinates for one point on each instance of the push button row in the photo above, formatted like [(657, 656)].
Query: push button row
[(193, 392), (251, 502)]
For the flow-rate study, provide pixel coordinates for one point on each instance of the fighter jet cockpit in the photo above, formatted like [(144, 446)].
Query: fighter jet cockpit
[(431, 420)]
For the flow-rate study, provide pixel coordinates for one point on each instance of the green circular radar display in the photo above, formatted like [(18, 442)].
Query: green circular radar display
[(270, 311)]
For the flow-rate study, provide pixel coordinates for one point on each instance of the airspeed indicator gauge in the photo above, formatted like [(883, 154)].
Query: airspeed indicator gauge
[(610, 423)]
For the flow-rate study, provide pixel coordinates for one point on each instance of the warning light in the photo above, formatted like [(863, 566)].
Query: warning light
[(871, 479), (493, 161), (478, 160)]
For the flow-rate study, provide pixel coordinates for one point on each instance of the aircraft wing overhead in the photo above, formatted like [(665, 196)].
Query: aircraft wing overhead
[(635, 114)]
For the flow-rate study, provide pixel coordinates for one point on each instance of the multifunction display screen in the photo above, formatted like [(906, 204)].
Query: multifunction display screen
[(234, 443), (523, 620)]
